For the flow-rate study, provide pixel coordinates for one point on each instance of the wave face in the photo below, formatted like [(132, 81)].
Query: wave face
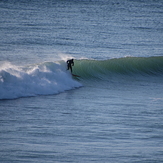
[(52, 77), (40, 79), (152, 66)]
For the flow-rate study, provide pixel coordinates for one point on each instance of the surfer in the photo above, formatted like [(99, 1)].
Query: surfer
[(70, 63)]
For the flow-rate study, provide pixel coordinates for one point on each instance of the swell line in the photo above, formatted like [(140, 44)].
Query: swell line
[(119, 66)]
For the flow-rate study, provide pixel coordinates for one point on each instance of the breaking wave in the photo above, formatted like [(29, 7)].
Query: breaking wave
[(39, 79), (52, 77)]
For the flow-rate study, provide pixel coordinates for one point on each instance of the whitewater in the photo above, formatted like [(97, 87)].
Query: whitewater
[(39, 79)]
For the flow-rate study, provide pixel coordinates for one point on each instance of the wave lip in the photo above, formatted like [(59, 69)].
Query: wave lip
[(40, 79)]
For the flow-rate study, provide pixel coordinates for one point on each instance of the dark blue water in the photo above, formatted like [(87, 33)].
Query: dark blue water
[(112, 112)]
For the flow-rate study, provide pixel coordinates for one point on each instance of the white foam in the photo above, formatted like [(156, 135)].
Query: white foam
[(40, 79)]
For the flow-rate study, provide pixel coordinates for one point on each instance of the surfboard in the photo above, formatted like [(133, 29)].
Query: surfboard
[(75, 75)]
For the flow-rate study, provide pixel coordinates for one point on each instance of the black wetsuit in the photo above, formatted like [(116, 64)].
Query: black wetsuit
[(70, 63)]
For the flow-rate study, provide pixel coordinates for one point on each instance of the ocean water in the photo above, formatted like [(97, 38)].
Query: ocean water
[(112, 112)]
